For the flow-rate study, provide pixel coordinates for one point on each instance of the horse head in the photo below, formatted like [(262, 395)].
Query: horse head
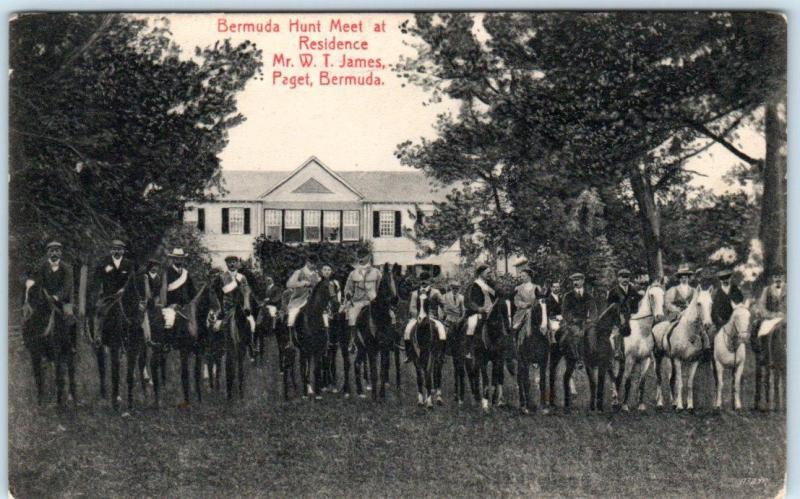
[(655, 301), (740, 322), (702, 302)]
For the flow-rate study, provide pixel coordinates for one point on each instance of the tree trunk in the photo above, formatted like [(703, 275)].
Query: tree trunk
[(772, 230), (650, 219)]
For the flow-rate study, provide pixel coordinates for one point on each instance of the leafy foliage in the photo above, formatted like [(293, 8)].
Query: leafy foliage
[(112, 132)]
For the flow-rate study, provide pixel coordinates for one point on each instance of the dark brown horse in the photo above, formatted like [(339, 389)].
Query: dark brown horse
[(598, 353), (489, 347), (770, 353), (312, 335), (533, 349)]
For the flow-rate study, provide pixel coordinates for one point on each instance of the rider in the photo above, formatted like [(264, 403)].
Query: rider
[(627, 298), (679, 296), (424, 302), (452, 305), (553, 304), (725, 296), (361, 287), (526, 295), (301, 283), (231, 300), (111, 279), (771, 305), (479, 300), (272, 299), (55, 279), (177, 291), (578, 309)]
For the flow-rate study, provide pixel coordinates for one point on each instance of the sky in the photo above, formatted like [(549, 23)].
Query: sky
[(348, 127)]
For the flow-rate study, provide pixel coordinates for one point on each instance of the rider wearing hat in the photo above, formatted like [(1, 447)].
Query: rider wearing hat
[(301, 282), (679, 296), (526, 295), (361, 287), (770, 309), (578, 309), (725, 297), (49, 298), (479, 300), (623, 294), (177, 291), (424, 302), (452, 305)]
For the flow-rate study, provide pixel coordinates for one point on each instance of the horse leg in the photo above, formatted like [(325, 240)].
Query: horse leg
[(100, 354), (601, 386), (739, 369), (357, 375), (567, 377), (397, 365), (523, 385), (131, 362), (345, 368), (59, 378), (551, 393), (155, 372), (385, 361), (38, 374), (71, 376), (485, 381), (198, 373), (676, 384), (230, 369), (543, 368), (373, 371), (115, 372), (657, 358), (644, 367), (690, 385), (242, 354), (627, 375), (757, 397), (591, 373)]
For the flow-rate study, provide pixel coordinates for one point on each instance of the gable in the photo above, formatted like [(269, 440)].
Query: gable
[(312, 186), (312, 181)]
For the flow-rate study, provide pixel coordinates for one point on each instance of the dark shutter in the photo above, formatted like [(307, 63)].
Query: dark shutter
[(225, 220), (201, 219), (283, 225), (247, 220), (302, 225), (376, 224), (341, 225), (398, 228)]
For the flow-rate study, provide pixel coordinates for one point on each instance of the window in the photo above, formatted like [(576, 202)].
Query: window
[(350, 225), (387, 224), (330, 225), (293, 226), (311, 225), (272, 224), (236, 221)]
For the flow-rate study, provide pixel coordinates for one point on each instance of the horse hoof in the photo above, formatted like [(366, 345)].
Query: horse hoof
[(642, 408), (524, 411), (346, 395), (334, 390), (485, 405), (439, 401), (369, 388), (460, 403), (362, 395), (318, 397), (625, 408)]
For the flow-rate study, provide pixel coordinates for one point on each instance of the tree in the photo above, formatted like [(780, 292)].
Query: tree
[(112, 132), (604, 99)]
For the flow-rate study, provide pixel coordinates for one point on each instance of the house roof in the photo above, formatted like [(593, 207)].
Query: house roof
[(375, 186)]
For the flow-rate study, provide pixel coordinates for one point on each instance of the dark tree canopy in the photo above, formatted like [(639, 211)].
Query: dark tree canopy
[(112, 131)]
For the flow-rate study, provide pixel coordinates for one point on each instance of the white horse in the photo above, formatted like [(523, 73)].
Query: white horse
[(638, 346), (683, 344), (730, 347)]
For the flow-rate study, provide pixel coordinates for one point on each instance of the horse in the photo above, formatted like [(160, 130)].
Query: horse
[(377, 335), (428, 358), (563, 347), (456, 346), (50, 336), (488, 346), (287, 352), (338, 340), (312, 335), (638, 345), (598, 354), (533, 349), (730, 350), (770, 354), (681, 342)]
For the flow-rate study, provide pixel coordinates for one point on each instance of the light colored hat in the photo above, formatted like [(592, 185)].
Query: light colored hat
[(683, 269), (54, 244), (576, 276), (116, 243), (177, 253)]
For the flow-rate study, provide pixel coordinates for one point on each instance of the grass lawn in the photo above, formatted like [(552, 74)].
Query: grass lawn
[(263, 446)]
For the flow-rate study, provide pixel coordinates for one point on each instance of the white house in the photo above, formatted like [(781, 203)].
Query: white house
[(313, 203)]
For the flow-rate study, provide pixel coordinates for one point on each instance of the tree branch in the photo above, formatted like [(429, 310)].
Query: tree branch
[(721, 140)]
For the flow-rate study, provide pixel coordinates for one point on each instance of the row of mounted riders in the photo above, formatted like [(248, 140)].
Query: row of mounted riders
[(160, 311)]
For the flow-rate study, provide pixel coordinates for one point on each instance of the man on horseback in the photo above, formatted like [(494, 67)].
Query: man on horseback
[(49, 321), (770, 308), (526, 295), (113, 309), (479, 301), (177, 291), (452, 305), (361, 288), (725, 297), (626, 296), (424, 303), (679, 296), (231, 301), (578, 310), (301, 283)]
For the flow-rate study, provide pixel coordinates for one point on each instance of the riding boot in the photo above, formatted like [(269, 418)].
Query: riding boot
[(409, 350)]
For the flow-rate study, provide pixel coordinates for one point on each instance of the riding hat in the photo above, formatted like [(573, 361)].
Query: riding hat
[(454, 283), (724, 273), (54, 244), (623, 273), (312, 257), (778, 270), (362, 253), (528, 270), (683, 269), (152, 262), (576, 276), (480, 268), (424, 277), (116, 243), (177, 253), (231, 258)]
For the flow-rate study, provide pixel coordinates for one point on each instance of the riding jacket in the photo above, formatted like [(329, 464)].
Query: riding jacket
[(722, 304)]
